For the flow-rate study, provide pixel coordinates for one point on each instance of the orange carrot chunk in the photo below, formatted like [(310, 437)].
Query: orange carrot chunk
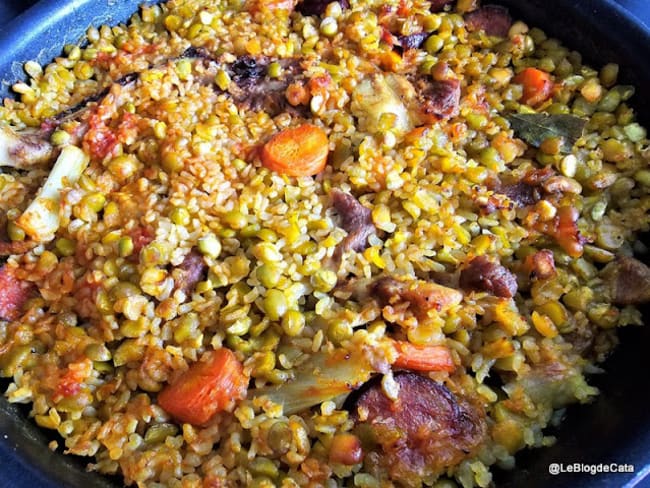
[(211, 385), (538, 86), (299, 151), (423, 358)]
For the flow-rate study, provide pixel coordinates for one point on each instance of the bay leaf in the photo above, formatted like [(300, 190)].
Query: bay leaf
[(535, 128)]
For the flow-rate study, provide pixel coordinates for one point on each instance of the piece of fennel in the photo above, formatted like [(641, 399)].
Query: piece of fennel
[(41, 218), (325, 376)]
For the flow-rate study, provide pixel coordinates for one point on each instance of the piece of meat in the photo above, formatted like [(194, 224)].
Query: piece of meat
[(16, 247), (495, 20), (254, 89), (540, 265), (526, 191), (14, 293), (317, 7), (193, 52), (628, 281), (412, 41), (247, 70), (482, 274), (582, 339), (25, 149), (421, 296), (439, 5), (437, 99), (426, 430), (521, 193), (190, 272), (75, 111), (356, 220)]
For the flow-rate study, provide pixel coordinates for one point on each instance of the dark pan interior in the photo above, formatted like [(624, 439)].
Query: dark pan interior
[(614, 429)]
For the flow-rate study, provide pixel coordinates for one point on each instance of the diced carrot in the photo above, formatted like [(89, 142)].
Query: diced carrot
[(299, 151), (538, 86), (423, 358), (210, 386)]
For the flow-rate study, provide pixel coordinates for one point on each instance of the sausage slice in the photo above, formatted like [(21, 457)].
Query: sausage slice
[(426, 430)]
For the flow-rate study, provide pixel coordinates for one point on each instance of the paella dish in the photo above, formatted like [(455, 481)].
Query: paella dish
[(309, 243)]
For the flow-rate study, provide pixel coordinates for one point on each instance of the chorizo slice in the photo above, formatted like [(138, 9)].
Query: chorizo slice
[(423, 432), (494, 20)]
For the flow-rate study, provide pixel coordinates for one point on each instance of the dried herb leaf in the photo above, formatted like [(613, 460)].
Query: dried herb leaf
[(535, 128)]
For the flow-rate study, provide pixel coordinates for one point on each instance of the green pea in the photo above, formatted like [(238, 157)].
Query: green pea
[(279, 438), (172, 162), (13, 359), (97, 352), (275, 70), (187, 326), (15, 233), (269, 275), (264, 467), (339, 331), (275, 304), (324, 280), (159, 432), (133, 328), (60, 137), (434, 44), (66, 247), (124, 290), (235, 219), (154, 254), (180, 216), (125, 246), (293, 323), (210, 246)]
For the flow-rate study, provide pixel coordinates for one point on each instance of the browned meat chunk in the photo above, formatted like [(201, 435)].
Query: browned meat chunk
[(437, 99), (14, 293), (493, 19), (482, 274), (412, 41), (190, 272), (423, 432), (526, 191), (438, 5), (317, 7), (16, 247), (356, 220), (25, 149), (628, 280), (540, 265), (421, 296), (253, 87), (521, 193)]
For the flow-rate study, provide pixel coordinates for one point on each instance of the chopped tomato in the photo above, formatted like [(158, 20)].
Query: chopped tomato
[(71, 380), (208, 387), (14, 293), (538, 86), (141, 236)]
